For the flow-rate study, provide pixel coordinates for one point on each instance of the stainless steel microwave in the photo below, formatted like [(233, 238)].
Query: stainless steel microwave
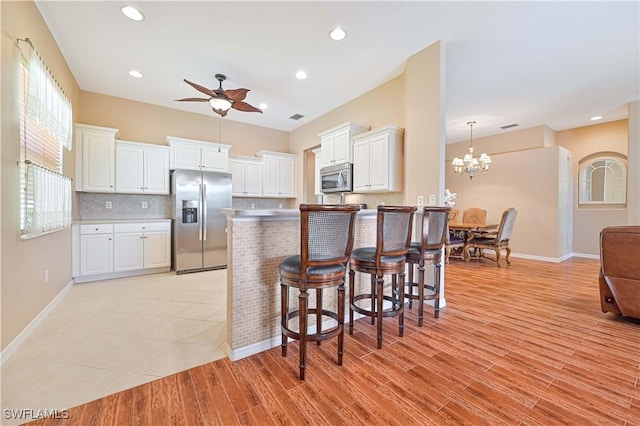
[(337, 178)]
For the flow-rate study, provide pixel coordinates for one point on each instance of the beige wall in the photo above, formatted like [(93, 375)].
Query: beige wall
[(23, 264), (504, 177), (526, 180), (424, 136), (142, 122), (583, 142), (380, 106)]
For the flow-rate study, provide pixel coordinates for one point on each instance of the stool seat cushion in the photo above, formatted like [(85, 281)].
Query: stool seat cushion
[(368, 254), (414, 250), (292, 265), (453, 239)]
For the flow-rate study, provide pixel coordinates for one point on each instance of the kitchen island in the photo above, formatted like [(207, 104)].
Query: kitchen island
[(257, 241)]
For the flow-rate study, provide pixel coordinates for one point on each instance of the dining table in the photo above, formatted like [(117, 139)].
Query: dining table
[(467, 231)]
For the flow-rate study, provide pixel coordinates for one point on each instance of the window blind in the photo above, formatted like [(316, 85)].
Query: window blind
[(45, 128)]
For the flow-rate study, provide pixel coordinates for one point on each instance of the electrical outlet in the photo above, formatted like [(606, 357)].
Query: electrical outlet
[(421, 200), (432, 200), (107, 205), (46, 276), (144, 205), (279, 205), (253, 206)]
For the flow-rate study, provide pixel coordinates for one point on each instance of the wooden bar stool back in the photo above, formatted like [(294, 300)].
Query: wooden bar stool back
[(388, 257), (427, 251), (326, 242)]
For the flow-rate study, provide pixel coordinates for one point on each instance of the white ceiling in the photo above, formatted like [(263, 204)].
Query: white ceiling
[(530, 63)]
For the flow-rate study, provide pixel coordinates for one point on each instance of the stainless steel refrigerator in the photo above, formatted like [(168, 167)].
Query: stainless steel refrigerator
[(199, 227)]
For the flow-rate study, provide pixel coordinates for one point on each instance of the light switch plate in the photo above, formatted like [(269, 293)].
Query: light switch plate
[(421, 200), (107, 205), (144, 205), (432, 200)]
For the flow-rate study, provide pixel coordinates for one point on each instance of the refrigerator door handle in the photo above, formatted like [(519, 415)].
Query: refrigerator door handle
[(204, 211), (200, 225)]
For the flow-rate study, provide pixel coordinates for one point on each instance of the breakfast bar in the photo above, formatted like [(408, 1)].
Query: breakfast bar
[(257, 241)]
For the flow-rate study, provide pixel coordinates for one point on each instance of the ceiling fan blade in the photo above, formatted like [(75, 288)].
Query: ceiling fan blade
[(220, 112), (200, 88), (194, 100), (243, 106), (236, 94)]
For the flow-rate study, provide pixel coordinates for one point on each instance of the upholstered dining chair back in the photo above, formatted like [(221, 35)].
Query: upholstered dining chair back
[(474, 216), (506, 225)]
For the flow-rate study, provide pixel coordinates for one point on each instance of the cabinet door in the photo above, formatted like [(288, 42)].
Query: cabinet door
[(328, 150), (341, 147), (128, 251), (237, 169), (287, 177), (184, 156), (253, 179), (379, 163), (98, 162), (157, 249), (271, 175), (96, 254), (129, 169), (156, 171), (214, 160), (361, 165)]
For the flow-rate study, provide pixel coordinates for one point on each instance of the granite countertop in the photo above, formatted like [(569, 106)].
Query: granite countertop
[(98, 221)]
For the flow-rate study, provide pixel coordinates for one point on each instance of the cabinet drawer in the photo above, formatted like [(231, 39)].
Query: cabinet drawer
[(142, 227), (103, 228)]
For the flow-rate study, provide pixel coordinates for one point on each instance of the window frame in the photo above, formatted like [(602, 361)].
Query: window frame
[(585, 181)]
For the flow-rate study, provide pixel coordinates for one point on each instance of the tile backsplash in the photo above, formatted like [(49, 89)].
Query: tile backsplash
[(92, 206)]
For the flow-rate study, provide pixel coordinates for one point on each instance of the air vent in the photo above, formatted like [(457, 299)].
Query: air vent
[(296, 116), (508, 126)]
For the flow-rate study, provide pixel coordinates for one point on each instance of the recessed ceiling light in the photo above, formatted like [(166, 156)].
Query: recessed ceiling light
[(263, 106), (301, 75), (337, 34), (596, 118), (132, 13), (136, 74)]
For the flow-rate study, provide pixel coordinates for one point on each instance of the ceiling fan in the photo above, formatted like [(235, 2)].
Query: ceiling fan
[(221, 100)]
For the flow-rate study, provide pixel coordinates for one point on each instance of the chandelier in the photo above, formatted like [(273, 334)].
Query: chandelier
[(470, 164)]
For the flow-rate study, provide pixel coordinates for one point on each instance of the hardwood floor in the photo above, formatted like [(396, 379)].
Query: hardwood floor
[(520, 345)]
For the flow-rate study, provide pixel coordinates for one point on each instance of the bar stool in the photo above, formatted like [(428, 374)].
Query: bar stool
[(427, 251), (393, 239), (326, 241)]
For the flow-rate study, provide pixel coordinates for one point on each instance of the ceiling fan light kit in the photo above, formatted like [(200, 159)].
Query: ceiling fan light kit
[(222, 100)]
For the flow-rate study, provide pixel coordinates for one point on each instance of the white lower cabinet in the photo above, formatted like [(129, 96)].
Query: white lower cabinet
[(112, 250), (96, 247)]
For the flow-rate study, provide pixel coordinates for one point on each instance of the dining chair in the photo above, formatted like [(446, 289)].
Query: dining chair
[(474, 216), (388, 257), (326, 242), (427, 251), (497, 240)]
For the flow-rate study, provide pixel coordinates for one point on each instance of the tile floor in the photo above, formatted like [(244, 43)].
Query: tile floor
[(108, 336)]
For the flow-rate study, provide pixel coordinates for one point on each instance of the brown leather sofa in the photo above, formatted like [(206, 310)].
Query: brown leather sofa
[(620, 270)]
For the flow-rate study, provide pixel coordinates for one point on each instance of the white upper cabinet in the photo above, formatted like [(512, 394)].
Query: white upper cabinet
[(190, 154), (246, 176), (336, 143), (278, 174), (142, 168), (95, 158), (378, 160)]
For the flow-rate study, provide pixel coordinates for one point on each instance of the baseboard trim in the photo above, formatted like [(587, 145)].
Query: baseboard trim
[(586, 255), (10, 349), (541, 258)]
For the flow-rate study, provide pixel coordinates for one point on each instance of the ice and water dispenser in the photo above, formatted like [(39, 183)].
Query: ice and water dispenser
[(189, 211)]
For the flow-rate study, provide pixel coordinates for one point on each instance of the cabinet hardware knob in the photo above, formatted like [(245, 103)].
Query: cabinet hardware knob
[(96, 229), (109, 239)]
